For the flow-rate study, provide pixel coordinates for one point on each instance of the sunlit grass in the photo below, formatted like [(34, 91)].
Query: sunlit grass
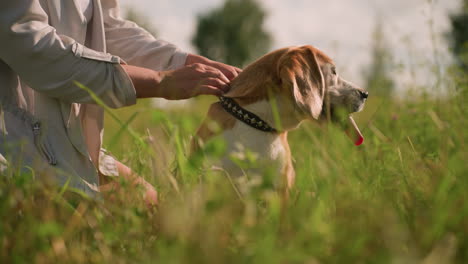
[(399, 198)]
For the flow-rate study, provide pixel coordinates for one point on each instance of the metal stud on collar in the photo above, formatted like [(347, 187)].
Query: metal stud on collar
[(245, 116)]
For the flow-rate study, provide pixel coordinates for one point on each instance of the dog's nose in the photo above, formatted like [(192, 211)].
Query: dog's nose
[(364, 94)]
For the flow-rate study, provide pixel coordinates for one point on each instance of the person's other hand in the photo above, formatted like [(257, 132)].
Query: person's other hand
[(229, 71), (113, 190)]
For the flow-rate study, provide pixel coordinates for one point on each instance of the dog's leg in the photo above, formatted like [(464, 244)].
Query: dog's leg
[(216, 114)]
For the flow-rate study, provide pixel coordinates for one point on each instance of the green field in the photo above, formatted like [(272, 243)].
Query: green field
[(401, 197)]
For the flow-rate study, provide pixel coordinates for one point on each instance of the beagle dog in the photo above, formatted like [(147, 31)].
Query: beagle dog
[(272, 96)]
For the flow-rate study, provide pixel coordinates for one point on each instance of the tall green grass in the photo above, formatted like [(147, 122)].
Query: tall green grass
[(399, 198)]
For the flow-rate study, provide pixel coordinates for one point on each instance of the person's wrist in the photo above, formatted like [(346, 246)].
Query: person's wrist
[(159, 84)]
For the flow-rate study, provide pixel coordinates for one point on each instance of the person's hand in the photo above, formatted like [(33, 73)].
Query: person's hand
[(229, 71), (192, 80), (183, 83), (112, 189)]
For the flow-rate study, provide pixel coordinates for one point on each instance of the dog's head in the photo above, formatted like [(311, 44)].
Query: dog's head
[(315, 85), (307, 77)]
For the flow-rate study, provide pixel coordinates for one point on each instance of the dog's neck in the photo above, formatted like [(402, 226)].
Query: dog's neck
[(278, 112), (287, 118), (272, 148)]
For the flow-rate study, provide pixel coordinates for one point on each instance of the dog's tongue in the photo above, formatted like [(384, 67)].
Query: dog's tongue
[(353, 132)]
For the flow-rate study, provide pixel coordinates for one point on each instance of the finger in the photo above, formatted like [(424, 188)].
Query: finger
[(209, 90), (216, 83), (228, 73), (213, 72), (231, 73), (235, 69)]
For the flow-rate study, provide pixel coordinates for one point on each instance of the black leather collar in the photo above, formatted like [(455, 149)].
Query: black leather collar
[(245, 116)]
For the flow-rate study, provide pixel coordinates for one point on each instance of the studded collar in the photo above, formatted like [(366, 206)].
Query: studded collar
[(245, 116)]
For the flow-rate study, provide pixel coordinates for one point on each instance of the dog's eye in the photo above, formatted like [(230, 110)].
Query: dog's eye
[(333, 70)]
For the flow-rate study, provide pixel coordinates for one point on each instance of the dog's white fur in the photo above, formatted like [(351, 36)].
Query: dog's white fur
[(268, 146), (301, 83)]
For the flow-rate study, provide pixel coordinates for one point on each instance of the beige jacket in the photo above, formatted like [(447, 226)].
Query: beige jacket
[(46, 121)]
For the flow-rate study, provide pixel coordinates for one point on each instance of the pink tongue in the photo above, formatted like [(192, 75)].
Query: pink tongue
[(353, 132)]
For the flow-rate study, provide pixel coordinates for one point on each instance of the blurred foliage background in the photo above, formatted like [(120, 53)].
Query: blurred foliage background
[(459, 36), (233, 33)]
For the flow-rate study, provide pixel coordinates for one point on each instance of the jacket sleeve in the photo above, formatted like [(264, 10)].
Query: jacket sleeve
[(50, 63), (135, 45)]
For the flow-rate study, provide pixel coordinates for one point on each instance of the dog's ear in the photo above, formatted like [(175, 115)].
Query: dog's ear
[(300, 72)]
